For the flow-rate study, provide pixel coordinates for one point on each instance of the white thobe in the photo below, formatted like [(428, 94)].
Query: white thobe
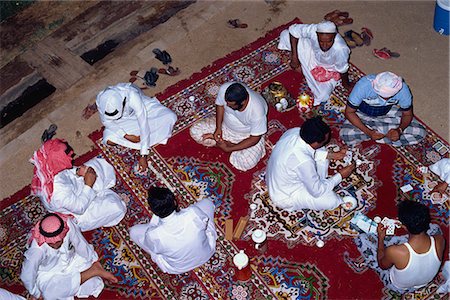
[(55, 273), (142, 116), (296, 175), (237, 126), (442, 169), (92, 207), (311, 56), (181, 241), (7, 295)]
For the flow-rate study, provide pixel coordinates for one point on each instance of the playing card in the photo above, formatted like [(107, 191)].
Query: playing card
[(406, 188), (422, 169), (390, 229)]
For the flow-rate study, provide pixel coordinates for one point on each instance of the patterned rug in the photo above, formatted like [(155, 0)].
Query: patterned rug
[(292, 267)]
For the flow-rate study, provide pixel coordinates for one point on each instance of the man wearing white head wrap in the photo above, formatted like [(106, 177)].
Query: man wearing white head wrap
[(380, 108), (317, 46), (134, 120)]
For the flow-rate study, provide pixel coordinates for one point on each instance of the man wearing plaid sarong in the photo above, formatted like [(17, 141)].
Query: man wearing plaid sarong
[(380, 108)]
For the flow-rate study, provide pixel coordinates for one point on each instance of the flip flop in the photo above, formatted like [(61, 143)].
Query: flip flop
[(133, 73), (381, 54), (350, 42), (335, 14), (49, 133), (366, 35), (89, 110), (391, 53), (162, 56), (236, 23), (355, 37), (340, 21), (171, 71), (151, 77)]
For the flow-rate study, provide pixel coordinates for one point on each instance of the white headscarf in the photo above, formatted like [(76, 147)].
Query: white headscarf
[(326, 27), (108, 101), (387, 84)]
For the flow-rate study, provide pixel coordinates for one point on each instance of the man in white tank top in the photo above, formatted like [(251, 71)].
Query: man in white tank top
[(415, 263)]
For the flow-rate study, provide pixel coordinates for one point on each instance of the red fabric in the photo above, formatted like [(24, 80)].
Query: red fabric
[(323, 75), (49, 224), (48, 161)]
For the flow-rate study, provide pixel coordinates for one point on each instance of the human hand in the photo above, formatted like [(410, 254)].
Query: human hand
[(375, 135), (208, 136), (393, 135), (339, 154), (346, 171), (142, 164), (295, 64), (218, 135), (348, 85), (381, 231), (81, 170), (441, 188), (133, 138), (90, 176), (224, 145)]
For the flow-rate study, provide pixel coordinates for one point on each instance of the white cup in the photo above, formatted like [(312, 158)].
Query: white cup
[(259, 237)]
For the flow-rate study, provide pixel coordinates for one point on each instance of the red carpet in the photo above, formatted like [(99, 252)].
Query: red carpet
[(292, 267)]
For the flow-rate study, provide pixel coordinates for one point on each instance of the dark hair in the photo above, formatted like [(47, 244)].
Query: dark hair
[(414, 215), (162, 201), (236, 93), (314, 130)]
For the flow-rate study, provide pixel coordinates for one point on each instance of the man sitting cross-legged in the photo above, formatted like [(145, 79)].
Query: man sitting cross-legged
[(297, 170), (238, 127), (83, 192), (408, 262), (321, 54), (372, 112), (59, 262), (177, 240)]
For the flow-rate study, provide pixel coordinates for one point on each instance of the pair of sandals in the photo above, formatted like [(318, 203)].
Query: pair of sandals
[(338, 17), (354, 39)]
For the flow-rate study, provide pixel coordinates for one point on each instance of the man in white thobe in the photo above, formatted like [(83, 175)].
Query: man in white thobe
[(297, 170), (178, 241), (318, 49), (238, 127), (59, 262), (133, 120), (84, 192)]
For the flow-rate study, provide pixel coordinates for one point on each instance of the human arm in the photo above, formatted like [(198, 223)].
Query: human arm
[(352, 117), (30, 266), (384, 255), (80, 244), (394, 134), (137, 105), (295, 62), (346, 81), (220, 111), (244, 144)]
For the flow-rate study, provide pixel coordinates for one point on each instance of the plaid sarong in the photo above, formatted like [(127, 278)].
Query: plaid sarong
[(412, 134)]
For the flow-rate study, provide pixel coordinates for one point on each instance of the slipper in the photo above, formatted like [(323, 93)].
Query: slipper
[(381, 54), (236, 23), (151, 77), (366, 35), (335, 14), (171, 71), (162, 56), (350, 42), (89, 110), (133, 73), (49, 133), (355, 37), (391, 53), (340, 21)]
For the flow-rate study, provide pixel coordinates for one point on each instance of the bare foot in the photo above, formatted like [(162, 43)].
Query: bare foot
[(98, 268)]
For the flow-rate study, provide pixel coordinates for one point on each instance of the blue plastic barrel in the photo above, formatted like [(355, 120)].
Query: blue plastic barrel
[(441, 16)]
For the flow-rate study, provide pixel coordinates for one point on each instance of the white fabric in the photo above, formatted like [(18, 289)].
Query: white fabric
[(442, 169), (92, 207), (181, 241), (419, 271), (326, 27), (311, 56), (296, 175), (251, 121), (142, 116), (55, 273), (6, 295), (244, 159)]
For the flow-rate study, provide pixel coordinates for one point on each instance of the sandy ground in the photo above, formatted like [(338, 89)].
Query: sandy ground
[(198, 35)]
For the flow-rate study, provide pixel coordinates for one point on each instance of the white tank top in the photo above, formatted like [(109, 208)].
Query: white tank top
[(420, 269)]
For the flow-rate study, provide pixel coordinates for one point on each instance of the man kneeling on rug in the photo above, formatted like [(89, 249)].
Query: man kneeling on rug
[(297, 170), (321, 54), (133, 120), (372, 112), (408, 262), (59, 262), (239, 125), (177, 240), (83, 192)]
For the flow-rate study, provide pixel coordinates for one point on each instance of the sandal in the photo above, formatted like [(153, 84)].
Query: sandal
[(355, 37), (366, 35), (162, 56), (49, 133), (151, 77), (335, 14), (89, 110), (350, 42), (236, 23), (133, 73), (381, 54), (171, 71), (340, 21), (391, 53)]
